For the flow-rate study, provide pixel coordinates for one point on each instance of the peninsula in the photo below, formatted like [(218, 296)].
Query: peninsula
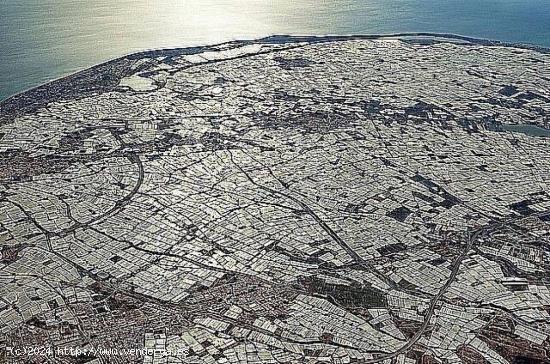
[(365, 199)]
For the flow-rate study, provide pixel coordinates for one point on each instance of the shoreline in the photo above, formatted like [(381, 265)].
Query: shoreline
[(6, 107)]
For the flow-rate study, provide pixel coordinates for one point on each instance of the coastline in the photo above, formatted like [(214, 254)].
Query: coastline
[(11, 104)]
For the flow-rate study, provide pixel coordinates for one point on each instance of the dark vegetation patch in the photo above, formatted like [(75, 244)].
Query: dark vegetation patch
[(522, 207), (311, 121), (508, 90), (290, 63), (392, 248), (400, 214), (353, 295)]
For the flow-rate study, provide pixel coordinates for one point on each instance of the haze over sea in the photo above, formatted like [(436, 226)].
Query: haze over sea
[(45, 39)]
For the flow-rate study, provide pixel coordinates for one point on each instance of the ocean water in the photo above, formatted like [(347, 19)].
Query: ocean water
[(41, 40)]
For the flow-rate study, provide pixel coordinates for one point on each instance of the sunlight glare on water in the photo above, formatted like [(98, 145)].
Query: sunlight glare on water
[(46, 39)]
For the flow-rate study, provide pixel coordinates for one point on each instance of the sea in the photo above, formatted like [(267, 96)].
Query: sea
[(41, 40)]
